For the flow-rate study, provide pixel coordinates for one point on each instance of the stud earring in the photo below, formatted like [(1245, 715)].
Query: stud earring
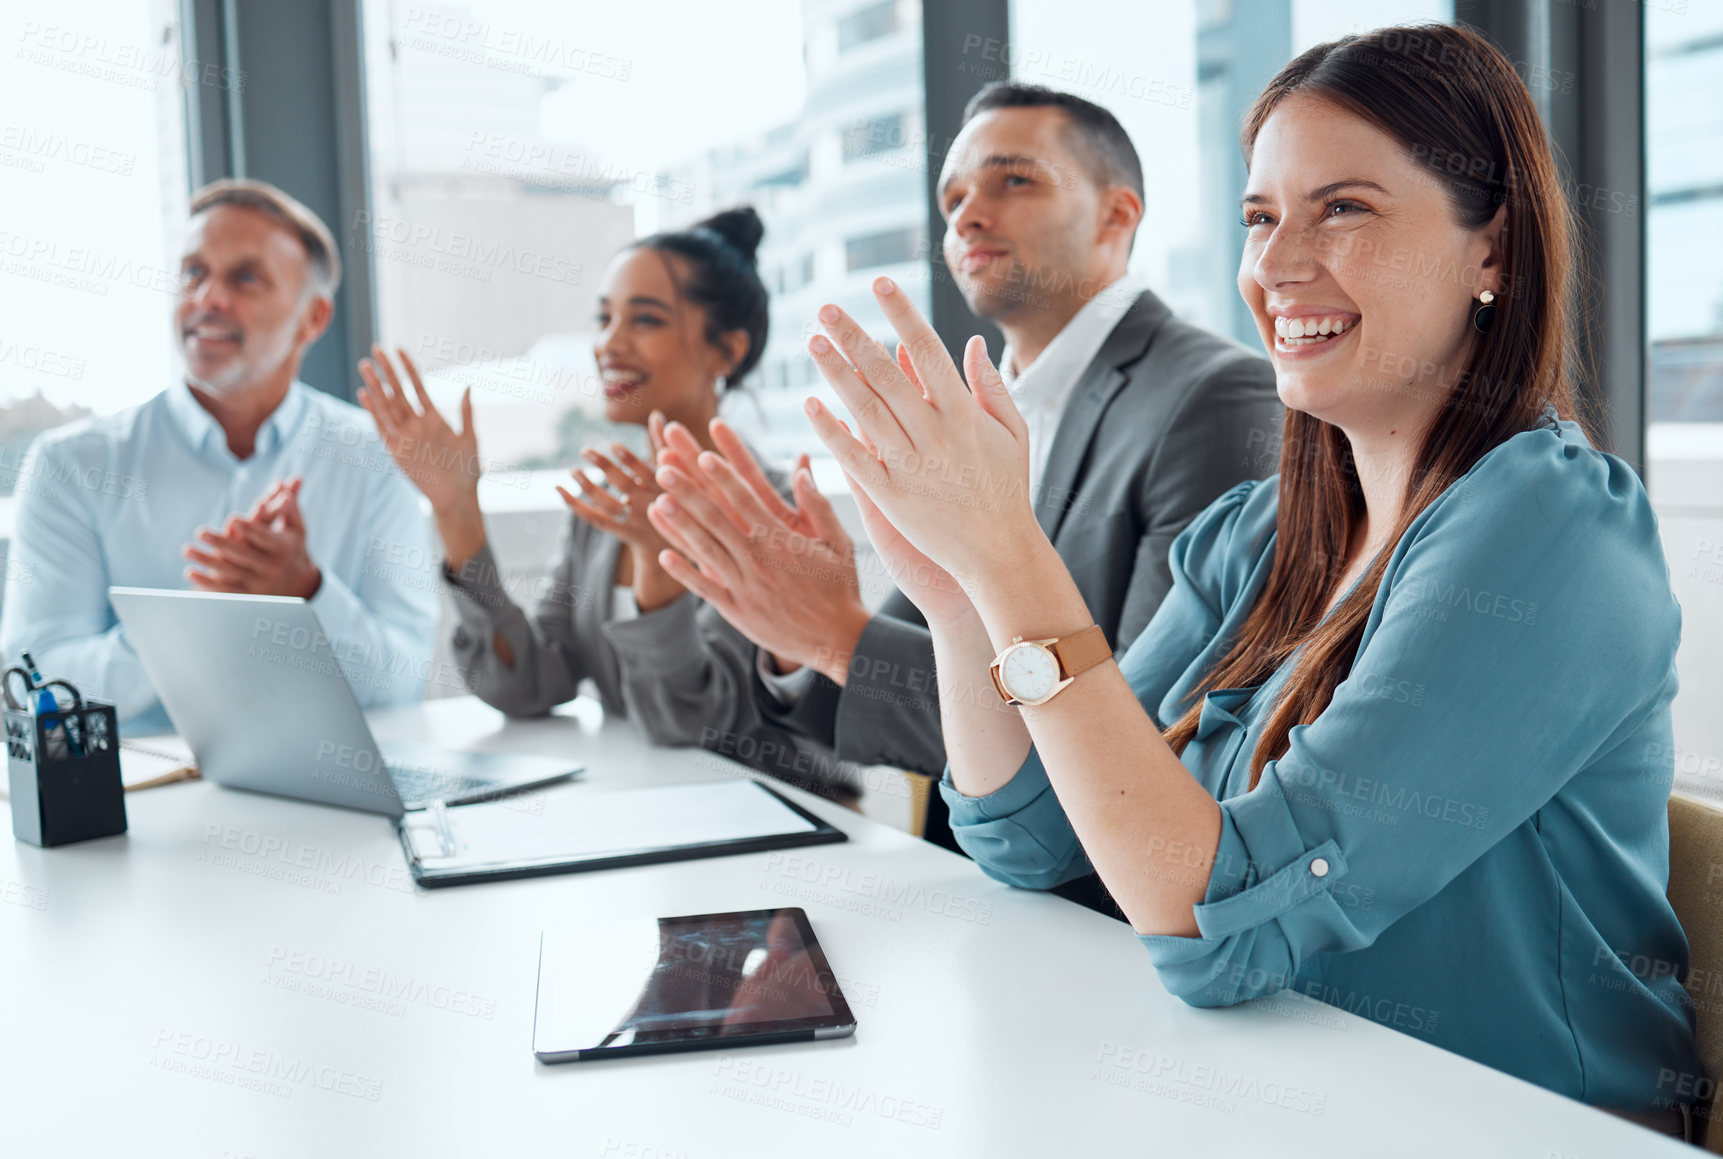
[(1485, 315)]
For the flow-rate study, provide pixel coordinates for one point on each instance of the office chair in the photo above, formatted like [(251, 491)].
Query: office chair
[(1695, 864)]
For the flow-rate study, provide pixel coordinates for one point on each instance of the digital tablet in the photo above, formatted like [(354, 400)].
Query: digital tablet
[(699, 982)]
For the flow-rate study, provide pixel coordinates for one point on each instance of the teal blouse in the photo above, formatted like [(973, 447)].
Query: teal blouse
[(1471, 843)]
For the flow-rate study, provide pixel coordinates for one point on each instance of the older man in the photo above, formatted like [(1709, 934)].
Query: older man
[(239, 478)]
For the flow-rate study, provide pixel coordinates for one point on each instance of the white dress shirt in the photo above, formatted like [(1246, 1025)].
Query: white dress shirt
[(113, 501), (1040, 391), (622, 603), (1042, 388)]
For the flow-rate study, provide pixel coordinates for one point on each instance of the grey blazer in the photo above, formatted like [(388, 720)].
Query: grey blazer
[(679, 672), (1166, 419)]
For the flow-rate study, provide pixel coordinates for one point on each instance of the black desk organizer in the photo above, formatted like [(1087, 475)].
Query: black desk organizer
[(57, 800)]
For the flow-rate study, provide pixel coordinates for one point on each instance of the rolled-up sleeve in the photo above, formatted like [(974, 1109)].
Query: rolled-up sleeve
[(1269, 904), (1019, 833)]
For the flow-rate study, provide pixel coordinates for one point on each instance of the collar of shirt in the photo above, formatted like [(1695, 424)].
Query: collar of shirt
[(205, 435), (1047, 380)]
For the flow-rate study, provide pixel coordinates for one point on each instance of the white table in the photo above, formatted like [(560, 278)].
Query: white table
[(246, 976)]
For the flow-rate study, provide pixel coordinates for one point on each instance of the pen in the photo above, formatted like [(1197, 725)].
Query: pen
[(68, 742), (45, 702), (54, 736)]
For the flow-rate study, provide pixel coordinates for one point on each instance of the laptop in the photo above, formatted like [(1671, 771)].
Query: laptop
[(253, 686)]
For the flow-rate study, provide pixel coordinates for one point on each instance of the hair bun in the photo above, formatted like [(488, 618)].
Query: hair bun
[(741, 227)]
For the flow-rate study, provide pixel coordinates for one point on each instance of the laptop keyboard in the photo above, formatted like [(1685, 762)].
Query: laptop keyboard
[(417, 786)]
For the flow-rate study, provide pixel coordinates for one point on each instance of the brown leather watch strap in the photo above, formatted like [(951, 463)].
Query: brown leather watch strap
[(1081, 651)]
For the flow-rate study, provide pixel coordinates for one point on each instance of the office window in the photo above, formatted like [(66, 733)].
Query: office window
[(1684, 157), (93, 181), (1684, 333), (885, 249), (796, 274), (796, 174), (868, 24), (518, 144), (870, 136)]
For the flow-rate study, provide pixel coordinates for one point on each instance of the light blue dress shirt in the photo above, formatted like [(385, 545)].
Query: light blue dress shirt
[(1471, 843), (113, 500)]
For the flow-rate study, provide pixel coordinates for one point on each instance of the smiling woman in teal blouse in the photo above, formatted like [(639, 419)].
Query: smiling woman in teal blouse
[(1399, 738), (1493, 893)]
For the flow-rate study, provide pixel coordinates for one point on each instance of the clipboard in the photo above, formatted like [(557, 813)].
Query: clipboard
[(577, 828)]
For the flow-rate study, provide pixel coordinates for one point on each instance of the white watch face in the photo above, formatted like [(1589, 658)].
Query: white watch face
[(1029, 672)]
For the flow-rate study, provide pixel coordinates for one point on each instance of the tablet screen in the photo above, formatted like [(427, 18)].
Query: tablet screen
[(684, 983)]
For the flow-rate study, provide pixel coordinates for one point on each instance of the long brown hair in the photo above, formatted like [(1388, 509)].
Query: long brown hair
[(1457, 106)]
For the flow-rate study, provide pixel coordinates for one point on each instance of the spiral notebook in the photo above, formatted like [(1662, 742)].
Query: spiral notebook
[(574, 828)]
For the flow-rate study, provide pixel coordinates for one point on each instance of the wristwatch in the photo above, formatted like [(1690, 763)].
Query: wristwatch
[(1034, 671)]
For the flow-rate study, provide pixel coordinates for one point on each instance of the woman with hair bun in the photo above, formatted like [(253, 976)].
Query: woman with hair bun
[(682, 317)]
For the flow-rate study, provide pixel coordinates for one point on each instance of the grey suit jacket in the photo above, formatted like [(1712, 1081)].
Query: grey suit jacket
[(1166, 419), (681, 673)]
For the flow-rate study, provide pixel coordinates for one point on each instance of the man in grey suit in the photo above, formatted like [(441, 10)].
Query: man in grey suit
[(1137, 421)]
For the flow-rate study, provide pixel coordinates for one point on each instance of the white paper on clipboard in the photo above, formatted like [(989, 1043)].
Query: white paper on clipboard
[(588, 823)]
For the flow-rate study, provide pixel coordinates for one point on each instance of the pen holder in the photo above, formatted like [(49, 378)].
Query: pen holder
[(59, 798)]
